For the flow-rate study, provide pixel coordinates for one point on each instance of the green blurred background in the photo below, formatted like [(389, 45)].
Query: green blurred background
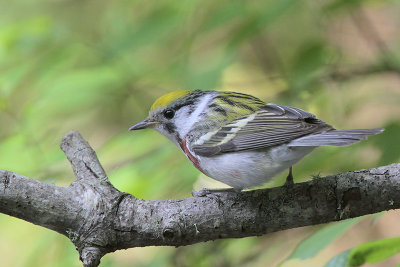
[(97, 66)]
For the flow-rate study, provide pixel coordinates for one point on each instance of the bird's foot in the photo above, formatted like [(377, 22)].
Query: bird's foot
[(289, 179), (210, 192)]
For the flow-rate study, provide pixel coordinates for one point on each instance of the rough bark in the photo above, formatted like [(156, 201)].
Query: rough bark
[(99, 219)]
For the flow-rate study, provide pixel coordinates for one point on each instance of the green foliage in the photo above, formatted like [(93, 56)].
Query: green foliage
[(390, 150), (340, 260), (96, 66), (375, 251), (311, 57), (370, 252), (321, 239)]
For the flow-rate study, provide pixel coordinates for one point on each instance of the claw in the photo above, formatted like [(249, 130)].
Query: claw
[(289, 179), (211, 192)]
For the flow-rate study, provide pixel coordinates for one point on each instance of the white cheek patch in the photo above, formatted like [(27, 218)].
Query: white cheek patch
[(184, 123)]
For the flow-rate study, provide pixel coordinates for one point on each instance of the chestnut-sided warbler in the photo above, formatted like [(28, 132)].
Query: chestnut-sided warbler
[(238, 139)]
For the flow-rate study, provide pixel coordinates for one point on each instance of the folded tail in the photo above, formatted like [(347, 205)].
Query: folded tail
[(335, 137)]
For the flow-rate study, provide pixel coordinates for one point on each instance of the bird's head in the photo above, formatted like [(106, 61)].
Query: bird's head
[(174, 113)]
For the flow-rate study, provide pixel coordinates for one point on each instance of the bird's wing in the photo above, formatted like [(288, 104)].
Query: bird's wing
[(270, 125)]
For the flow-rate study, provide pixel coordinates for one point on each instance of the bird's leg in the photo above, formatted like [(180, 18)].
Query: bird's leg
[(210, 192), (289, 178)]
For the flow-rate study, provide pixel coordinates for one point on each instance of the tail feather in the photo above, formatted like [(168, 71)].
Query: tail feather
[(335, 137)]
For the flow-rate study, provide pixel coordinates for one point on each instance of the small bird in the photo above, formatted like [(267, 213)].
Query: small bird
[(237, 138)]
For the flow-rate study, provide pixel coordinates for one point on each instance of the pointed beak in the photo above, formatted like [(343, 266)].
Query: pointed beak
[(146, 123)]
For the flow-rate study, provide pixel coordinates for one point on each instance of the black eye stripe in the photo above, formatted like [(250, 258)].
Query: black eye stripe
[(186, 103)]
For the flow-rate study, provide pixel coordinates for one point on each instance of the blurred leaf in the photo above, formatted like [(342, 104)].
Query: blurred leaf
[(259, 19), (159, 23), (340, 260), (221, 16), (390, 150), (81, 85), (11, 78), (208, 77), (96, 66), (375, 251), (13, 152), (309, 59), (322, 238), (338, 5), (24, 35)]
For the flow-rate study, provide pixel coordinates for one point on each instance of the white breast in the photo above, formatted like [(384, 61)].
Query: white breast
[(248, 169)]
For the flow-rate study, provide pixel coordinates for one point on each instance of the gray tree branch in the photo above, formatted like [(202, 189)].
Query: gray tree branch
[(99, 219)]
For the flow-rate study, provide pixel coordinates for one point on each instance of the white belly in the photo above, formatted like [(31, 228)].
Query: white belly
[(248, 169)]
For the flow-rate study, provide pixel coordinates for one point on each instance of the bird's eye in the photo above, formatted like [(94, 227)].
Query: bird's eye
[(169, 113)]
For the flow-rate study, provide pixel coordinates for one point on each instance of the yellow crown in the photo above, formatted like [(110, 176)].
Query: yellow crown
[(167, 99)]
